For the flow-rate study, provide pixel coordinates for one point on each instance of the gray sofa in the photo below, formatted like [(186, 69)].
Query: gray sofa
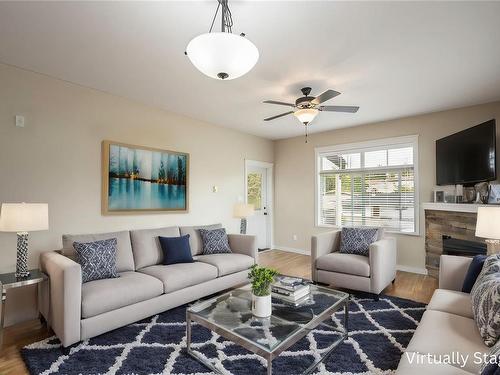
[(447, 327), (145, 287)]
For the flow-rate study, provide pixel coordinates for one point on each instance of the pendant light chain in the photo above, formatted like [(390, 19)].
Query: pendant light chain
[(226, 17)]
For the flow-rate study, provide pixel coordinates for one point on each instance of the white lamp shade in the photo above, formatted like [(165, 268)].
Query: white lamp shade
[(242, 210), (24, 217), (214, 54), (306, 115), (488, 222)]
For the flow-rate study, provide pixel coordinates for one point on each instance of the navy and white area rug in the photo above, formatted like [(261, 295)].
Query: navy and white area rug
[(379, 332)]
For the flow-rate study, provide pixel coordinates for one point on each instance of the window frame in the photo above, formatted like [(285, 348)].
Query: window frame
[(373, 145)]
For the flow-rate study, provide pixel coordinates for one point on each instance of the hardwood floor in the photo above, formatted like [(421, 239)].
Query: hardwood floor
[(407, 285)]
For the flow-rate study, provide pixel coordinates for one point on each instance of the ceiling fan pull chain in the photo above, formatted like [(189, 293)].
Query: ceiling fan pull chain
[(306, 132)]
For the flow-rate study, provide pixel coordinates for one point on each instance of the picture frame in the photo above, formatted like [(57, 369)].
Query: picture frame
[(140, 179)]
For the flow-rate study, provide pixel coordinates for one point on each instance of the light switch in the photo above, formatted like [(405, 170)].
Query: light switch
[(20, 121), (215, 189)]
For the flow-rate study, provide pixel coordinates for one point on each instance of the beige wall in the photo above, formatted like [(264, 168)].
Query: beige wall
[(56, 159), (295, 165)]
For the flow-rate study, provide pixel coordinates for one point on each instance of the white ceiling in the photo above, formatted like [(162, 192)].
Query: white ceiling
[(393, 59)]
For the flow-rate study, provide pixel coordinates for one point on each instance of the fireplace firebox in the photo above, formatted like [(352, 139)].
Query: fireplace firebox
[(455, 246)]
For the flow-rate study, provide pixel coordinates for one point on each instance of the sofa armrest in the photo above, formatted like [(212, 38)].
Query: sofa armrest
[(383, 254), (452, 271), (244, 244), (322, 244), (65, 277)]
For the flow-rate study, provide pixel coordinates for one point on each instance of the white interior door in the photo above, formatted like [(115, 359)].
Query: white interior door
[(257, 189)]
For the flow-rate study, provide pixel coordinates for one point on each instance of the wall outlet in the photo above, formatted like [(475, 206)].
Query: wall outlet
[(20, 121), (294, 237)]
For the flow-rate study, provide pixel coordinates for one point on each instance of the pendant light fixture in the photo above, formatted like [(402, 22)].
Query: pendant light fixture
[(222, 55)]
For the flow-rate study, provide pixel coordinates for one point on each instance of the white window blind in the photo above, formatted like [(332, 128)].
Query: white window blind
[(368, 186)]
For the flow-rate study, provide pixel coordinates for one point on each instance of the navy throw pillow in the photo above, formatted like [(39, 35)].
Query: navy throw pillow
[(475, 267), (176, 250)]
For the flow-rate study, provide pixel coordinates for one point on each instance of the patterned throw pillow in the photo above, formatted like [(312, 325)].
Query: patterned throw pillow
[(215, 241), (97, 259), (357, 240), (485, 297), (492, 365)]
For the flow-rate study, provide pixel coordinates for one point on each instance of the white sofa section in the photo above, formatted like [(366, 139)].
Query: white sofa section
[(447, 328)]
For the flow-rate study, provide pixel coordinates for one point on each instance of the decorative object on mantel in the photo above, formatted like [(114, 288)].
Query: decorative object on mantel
[(23, 218), (136, 178), (242, 211), (494, 197), (488, 226), (261, 278), (222, 55), (482, 192), (469, 194)]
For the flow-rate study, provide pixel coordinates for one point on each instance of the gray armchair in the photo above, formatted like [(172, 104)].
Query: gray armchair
[(357, 272)]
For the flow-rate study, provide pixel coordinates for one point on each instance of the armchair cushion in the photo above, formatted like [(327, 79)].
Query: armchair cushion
[(351, 264), (357, 240)]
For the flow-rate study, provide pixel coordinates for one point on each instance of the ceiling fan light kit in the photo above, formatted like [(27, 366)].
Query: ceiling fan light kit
[(306, 108), (222, 55), (306, 115)]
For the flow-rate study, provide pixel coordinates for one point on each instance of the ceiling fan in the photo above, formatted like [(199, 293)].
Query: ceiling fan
[(306, 108)]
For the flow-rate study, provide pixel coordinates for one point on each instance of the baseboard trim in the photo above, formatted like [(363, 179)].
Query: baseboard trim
[(417, 270), (291, 250)]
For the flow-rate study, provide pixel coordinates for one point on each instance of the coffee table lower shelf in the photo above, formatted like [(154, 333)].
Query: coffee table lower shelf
[(269, 356)]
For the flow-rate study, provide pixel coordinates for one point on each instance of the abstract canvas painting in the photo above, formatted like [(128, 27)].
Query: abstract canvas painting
[(139, 178)]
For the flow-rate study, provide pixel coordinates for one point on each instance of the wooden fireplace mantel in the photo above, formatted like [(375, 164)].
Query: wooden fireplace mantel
[(453, 207)]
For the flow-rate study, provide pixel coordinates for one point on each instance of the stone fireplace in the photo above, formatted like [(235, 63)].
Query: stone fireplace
[(449, 221)]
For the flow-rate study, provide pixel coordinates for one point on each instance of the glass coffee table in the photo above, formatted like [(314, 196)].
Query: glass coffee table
[(230, 316)]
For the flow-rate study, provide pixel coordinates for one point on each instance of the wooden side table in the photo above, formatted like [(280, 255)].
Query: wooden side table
[(10, 281)]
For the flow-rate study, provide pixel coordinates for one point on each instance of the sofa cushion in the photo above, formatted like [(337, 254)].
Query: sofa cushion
[(105, 295), (195, 237), (124, 256), (441, 333), (452, 302), (97, 259), (351, 264), (486, 300), (357, 240), (412, 363), (227, 263), (146, 245), (181, 275)]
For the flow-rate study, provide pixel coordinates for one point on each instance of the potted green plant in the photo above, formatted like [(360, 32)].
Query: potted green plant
[(261, 279)]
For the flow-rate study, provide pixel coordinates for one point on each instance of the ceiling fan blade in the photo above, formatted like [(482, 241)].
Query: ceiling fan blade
[(339, 108), (327, 95), (279, 103), (277, 116)]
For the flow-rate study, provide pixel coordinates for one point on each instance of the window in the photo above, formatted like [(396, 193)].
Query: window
[(369, 184)]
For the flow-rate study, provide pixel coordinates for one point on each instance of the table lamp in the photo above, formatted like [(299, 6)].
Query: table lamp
[(23, 218), (242, 211), (488, 226)]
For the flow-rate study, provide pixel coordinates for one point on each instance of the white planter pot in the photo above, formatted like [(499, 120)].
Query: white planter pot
[(261, 306)]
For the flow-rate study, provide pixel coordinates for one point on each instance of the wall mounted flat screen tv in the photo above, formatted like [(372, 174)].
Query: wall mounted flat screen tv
[(467, 157)]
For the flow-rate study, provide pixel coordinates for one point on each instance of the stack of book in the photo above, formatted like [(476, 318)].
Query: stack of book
[(290, 289)]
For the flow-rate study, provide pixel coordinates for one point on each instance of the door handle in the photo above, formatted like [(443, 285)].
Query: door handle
[(265, 213)]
